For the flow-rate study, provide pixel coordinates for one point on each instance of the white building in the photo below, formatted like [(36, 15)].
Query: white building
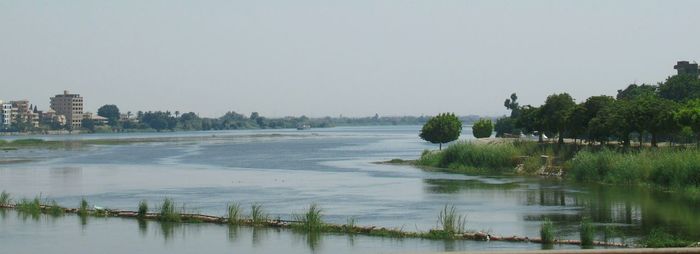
[(5, 114)]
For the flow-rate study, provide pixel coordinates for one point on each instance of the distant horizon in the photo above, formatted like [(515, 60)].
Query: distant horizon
[(353, 58)]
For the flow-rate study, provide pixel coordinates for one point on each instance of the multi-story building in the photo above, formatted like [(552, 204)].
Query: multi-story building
[(24, 113), (69, 105), (5, 115)]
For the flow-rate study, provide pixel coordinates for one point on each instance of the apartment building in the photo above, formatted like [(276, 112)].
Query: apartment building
[(69, 105), (5, 115)]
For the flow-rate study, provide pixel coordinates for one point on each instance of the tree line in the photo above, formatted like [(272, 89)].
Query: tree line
[(167, 120), (667, 111)]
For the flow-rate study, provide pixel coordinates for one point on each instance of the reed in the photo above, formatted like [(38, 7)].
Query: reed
[(587, 233), (234, 213), (168, 212), (547, 232), (5, 198), (450, 222), (142, 210), (257, 214), (83, 209), (311, 220)]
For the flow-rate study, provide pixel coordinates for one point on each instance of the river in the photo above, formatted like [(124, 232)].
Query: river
[(285, 171)]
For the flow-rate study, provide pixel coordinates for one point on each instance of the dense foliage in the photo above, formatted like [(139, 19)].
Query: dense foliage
[(482, 128), (666, 112), (442, 128)]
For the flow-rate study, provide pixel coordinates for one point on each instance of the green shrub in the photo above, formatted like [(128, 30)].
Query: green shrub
[(483, 128)]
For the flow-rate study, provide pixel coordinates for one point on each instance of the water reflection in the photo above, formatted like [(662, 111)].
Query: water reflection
[(143, 227), (616, 211)]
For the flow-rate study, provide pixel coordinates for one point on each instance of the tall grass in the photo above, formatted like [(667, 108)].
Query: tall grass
[(5, 198), (234, 213), (312, 220), (467, 155), (547, 232), (451, 222), (658, 238), (257, 214), (587, 233), (167, 211), (83, 209), (663, 167), (142, 210)]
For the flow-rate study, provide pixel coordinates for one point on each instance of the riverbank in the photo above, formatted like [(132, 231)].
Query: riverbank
[(673, 168)]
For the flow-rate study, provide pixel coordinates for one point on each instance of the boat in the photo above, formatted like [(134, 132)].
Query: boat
[(302, 127)]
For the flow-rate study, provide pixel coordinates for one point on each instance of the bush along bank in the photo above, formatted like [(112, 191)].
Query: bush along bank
[(451, 225), (672, 168)]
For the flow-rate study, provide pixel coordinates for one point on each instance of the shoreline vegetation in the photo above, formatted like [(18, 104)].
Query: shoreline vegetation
[(450, 224), (674, 168)]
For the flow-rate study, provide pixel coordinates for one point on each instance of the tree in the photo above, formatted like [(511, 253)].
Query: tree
[(512, 104), (555, 112), (442, 128), (530, 121), (111, 112), (656, 116), (507, 124), (634, 91), (577, 121), (689, 115), (482, 128), (680, 88), (89, 124)]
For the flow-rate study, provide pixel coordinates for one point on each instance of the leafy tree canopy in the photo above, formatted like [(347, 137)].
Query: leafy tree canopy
[(442, 128)]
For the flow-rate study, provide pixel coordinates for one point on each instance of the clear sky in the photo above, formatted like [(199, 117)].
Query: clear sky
[(350, 57)]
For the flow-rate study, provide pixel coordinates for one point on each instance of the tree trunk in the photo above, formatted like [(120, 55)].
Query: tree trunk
[(561, 138), (540, 137), (653, 140), (440, 146), (626, 141)]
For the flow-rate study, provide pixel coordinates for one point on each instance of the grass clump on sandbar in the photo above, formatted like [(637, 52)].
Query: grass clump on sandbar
[(257, 214), (233, 215), (168, 212), (311, 220), (142, 209)]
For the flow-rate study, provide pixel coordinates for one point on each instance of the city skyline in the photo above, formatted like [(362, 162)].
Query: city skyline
[(353, 58)]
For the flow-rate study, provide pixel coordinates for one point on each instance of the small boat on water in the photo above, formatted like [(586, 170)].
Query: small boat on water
[(303, 127)]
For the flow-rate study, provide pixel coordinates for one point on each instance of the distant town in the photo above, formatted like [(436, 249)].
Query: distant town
[(67, 114)]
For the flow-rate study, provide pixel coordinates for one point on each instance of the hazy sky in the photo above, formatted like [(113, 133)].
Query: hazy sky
[(326, 57)]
